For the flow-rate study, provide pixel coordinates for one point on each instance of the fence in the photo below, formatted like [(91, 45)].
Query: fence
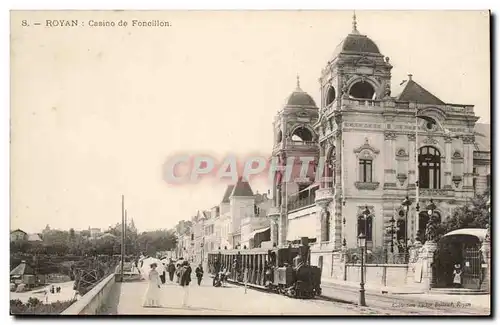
[(377, 257)]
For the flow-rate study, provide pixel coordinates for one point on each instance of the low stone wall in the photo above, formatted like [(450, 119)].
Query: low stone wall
[(393, 275), (92, 301)]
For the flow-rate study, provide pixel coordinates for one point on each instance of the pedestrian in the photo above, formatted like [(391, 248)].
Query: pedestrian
[(199, 273), (457, 276), (46, 296), (152, 297), (171, 270), (185, 279)]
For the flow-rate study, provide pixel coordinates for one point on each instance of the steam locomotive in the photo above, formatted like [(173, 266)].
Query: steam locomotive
[(285, 270)]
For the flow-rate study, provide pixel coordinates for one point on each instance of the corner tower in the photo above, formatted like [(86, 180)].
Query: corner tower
[(295, 141), (353, 84)]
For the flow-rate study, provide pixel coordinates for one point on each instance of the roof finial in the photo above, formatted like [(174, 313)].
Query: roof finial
[(298, 82), (354, 24)]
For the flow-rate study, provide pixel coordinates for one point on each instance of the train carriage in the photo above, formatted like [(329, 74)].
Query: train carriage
[(282, 270)]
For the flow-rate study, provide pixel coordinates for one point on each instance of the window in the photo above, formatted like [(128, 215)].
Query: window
[(429, 167), (302, 134), (302, 192), (365, 170), (365, 226), (488, 181), (362, 90), (330, 96)]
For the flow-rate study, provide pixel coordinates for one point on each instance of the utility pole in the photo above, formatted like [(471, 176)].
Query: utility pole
[(123, 238)]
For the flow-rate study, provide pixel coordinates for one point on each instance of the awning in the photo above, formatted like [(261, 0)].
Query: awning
[(301, 227), (258, 231), (480, 233)]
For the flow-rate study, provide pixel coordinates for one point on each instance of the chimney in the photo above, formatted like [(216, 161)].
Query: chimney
[(410, 76)]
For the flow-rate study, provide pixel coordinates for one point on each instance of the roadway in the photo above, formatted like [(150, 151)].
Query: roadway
[(126, 299), (412, 304)]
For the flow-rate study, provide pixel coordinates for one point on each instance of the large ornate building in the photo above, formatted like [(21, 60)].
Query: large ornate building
[(374, 155)]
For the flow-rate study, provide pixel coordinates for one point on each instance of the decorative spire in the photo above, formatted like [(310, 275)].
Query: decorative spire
[(354, 24), (298, 83)]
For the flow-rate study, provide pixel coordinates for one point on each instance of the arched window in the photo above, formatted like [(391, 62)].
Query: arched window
[(429, 167), (330, 95), (279, 137), (365, 226), (302, 134), (362, 90), (330, 168)]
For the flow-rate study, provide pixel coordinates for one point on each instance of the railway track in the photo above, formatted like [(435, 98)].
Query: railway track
[(385, 305)]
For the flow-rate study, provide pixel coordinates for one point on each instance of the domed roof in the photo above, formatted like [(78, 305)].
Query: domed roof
[(300, 98), (357, 43)]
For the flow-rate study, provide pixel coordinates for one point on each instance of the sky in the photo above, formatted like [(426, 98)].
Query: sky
[(96, 111)]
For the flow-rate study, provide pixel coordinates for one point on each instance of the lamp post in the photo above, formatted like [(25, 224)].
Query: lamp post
[(392, 234), (362, 243), (430, 223), (364, 217), (406, 206)]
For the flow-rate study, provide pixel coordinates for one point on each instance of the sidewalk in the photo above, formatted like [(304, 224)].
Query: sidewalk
[(373, 288), (416, 295)]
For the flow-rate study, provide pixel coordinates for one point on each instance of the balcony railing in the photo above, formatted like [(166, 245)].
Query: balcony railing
[(307, 201), (324, 193), (302, 143)]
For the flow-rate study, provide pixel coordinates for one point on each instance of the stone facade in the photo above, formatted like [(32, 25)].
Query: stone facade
[(372, 149)]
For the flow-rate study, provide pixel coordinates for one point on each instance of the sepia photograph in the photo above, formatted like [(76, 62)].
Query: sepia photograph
[(250, 163)]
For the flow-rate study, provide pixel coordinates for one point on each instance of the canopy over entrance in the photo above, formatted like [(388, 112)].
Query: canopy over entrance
[(478, 233)]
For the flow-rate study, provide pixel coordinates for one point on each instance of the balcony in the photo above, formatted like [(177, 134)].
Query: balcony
[(273, 211), (302, 203), (325, 194), (436, 193), (301, 144), (361, 102)]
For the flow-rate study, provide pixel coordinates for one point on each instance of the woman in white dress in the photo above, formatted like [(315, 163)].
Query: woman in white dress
[(152, 298)]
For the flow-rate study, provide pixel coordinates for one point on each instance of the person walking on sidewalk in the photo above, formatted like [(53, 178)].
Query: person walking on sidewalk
[(457, 276), (199, 273), (171, 270), (185, 279)]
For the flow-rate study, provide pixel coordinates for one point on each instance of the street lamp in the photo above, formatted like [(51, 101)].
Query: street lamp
[(406, 206), (362, 243), (364, 217), (430, 211), (392, 233)]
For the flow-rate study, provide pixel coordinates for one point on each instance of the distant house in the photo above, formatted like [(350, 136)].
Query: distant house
[(34, 237), (95, 232), (23, 273), (106, 235), (17, 235)]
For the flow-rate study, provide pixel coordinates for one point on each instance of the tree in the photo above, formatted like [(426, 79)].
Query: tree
[(474, 214), (155, 241)]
